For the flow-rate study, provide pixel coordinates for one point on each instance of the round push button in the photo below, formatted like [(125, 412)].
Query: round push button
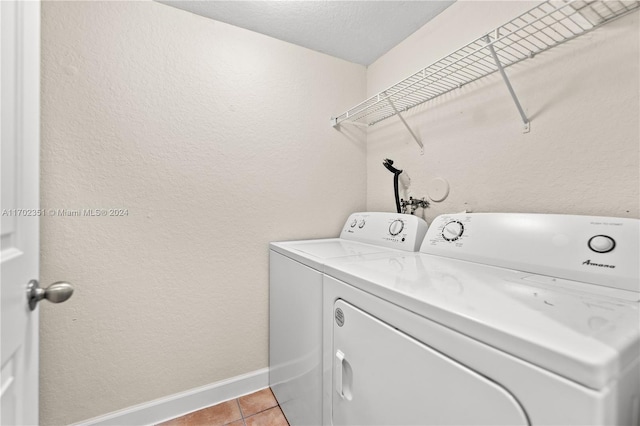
[(602, 244)]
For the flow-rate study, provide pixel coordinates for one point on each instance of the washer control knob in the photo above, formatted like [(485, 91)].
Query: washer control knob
[(452, 230), (361, 223), (602, 244), (354, 223), (396, 227)]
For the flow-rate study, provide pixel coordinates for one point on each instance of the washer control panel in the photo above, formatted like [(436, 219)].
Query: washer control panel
[(598, 250), (394, 230)]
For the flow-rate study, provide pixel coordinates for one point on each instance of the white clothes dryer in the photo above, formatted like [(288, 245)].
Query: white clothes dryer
[(295, 303), (501, 319)]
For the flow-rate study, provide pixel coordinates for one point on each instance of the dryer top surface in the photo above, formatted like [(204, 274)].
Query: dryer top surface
[(584, 332)]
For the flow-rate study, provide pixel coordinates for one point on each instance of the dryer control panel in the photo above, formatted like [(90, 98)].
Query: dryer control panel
[(592, 249), (393, 230)]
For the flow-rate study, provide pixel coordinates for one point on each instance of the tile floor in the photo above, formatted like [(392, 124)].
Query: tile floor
[(256, 409)]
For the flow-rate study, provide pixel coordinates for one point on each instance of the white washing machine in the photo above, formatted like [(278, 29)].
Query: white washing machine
[(502, 319), (295, 303)]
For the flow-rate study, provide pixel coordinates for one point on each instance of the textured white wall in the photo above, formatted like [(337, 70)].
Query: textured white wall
[(581, 156), (217, 141)]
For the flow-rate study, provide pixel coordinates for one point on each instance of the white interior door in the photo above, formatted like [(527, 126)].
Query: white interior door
[(20, 131)]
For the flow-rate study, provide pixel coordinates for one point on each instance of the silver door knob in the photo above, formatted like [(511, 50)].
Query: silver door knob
[(57, 292)]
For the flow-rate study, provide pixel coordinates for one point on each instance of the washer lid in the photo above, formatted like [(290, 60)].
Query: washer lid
[(314, 253), (563, 326), (362, 233)]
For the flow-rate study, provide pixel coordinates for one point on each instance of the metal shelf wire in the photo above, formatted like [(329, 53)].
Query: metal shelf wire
[(545, 26)]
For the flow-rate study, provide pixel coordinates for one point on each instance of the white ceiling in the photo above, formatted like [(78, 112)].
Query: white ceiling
[(358, 31)]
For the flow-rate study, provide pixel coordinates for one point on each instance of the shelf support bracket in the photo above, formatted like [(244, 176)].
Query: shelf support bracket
[(525, 120), (413, 135)]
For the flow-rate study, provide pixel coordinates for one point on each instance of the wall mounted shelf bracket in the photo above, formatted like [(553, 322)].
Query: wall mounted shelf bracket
[(525, 120), (413, 135)]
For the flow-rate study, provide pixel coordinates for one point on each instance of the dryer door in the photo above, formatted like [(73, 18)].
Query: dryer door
[(382, 376)]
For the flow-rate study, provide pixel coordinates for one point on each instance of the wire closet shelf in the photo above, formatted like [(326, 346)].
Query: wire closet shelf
[(545, 26)]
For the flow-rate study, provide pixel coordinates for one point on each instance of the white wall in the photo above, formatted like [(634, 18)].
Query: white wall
[(217, 141), (581, 155)]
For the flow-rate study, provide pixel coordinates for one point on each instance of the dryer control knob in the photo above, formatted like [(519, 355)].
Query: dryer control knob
[(354, 223), (452, 230), (602, 244), (361, 223)]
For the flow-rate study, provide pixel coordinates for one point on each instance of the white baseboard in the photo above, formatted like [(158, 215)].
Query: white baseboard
[(179, 404)]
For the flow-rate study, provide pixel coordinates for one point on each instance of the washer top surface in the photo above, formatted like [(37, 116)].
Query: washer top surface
[(585, 332), (362, 233), (314, 253)]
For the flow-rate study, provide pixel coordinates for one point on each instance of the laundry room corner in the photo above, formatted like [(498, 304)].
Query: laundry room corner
[(231, 249), (207, 141), (579, 156)]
